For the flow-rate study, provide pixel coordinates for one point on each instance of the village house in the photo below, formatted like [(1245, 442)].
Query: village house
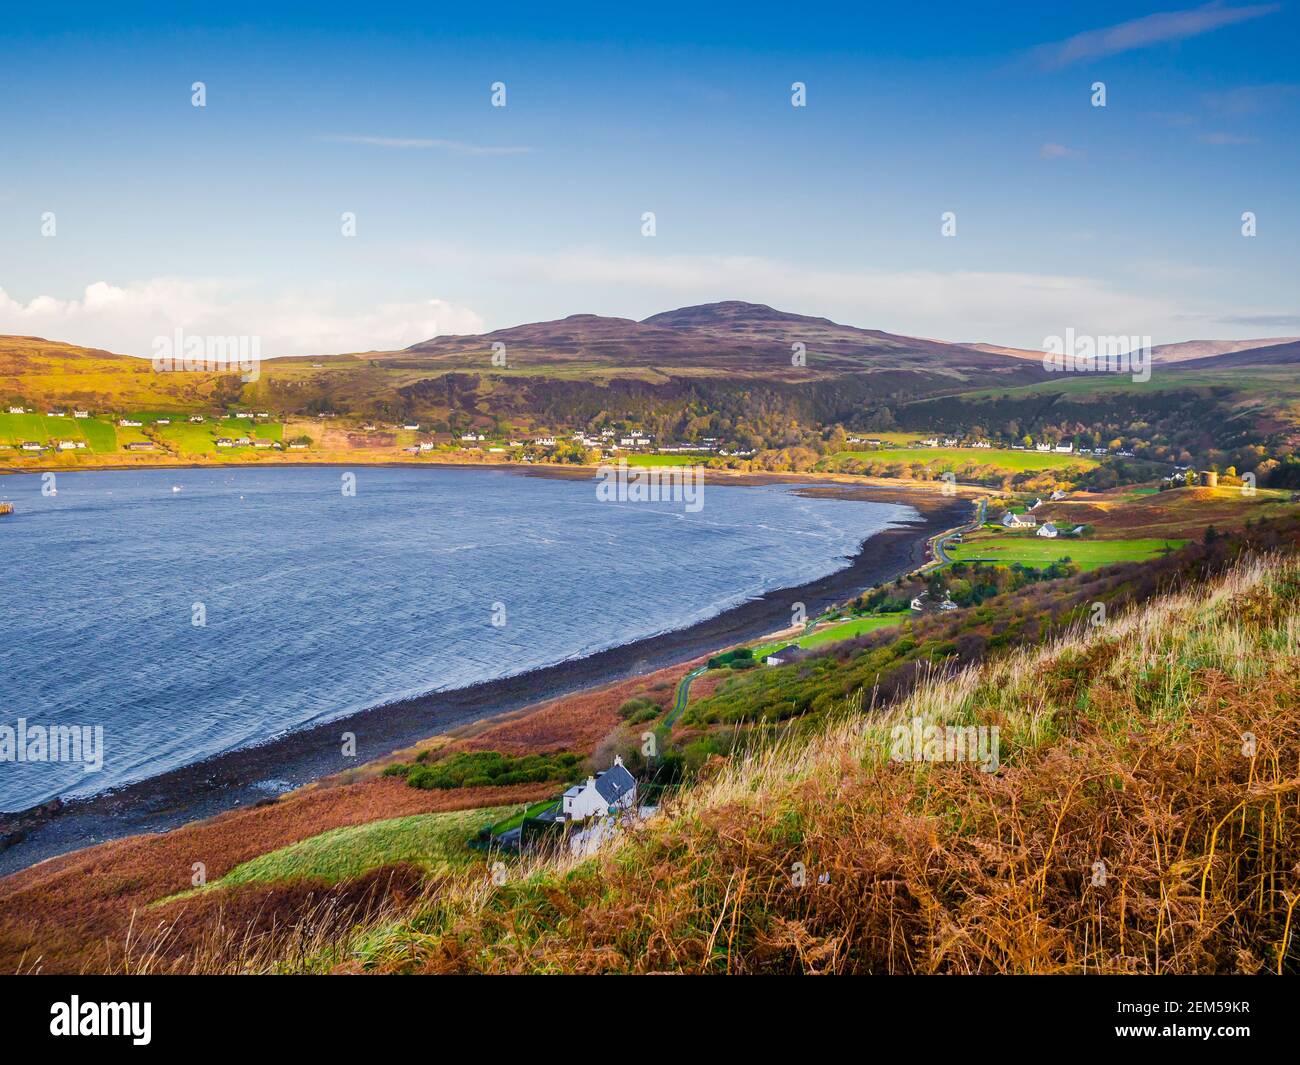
[(1018, 521), (67, 445), (1065, 449), (923, 604), (605, 793), (17, 410), (415, 426), (1048, 531), (545, 441), (140, 445), (1058, 494), (196, 418), (223, 441), (32, 445), (128, 421), (1042, 447), (781, 656), (1035, 504)]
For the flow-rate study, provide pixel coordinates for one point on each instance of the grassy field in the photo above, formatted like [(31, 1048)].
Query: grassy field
[(98, 433), (667, 460), (1034, 550), (430, 840), (843, 630), (953, 457)]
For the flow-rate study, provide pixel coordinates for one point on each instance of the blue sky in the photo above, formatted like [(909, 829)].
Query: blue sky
[(227, 218)]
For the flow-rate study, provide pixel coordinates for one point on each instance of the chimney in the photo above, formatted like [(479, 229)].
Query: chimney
[(591, 782), (618, 759)]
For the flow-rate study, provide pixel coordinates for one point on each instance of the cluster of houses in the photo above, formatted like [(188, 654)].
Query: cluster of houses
[(1047, 530)]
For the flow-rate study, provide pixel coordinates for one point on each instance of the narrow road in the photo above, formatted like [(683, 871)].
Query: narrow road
[(683, 693), (941, 557)]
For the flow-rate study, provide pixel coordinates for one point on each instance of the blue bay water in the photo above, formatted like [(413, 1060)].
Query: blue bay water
[(318, 604)]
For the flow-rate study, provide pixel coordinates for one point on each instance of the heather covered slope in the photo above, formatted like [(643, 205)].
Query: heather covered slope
[(726, 338)]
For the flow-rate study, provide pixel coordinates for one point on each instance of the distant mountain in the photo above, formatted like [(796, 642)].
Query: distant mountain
[(725, 338), (1282, 354), (1202, 349)]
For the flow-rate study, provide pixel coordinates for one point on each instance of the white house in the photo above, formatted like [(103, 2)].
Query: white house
[(32, 445), (545, 441), (605, 793), (1049, 531), (17, 410), (410, 425), (1042, 447), (1036, 503), (782, 656), (128, 421), (1018, 521), (1065, 449), (1058, 494)]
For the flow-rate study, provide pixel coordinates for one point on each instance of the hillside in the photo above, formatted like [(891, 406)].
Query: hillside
[(1282, 354)]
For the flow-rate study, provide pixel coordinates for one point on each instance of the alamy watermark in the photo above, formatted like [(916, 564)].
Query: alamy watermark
[(53, 743), (619, 483), (919, 742), (1084, 353), (212, 354)]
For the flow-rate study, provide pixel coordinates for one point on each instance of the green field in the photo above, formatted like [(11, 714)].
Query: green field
[(667, 460), (956, 457), (844, 630), (430, 840), (98, 433), (1032, 550)]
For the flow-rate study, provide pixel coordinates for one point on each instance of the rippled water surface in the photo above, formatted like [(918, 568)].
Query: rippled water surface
[(318, 604)]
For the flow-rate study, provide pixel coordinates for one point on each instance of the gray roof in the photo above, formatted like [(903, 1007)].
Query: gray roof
[(785, 651), (614, 783)]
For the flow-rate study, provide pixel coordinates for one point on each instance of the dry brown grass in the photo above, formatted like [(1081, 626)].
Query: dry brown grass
[(72, 913)]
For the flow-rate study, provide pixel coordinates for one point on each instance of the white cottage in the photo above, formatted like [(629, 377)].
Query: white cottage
[(1049, 531), (605, 793)]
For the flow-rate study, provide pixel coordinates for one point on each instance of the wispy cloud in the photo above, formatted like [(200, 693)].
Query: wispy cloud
[(425, 143), (1162, 28), (1052, 150)]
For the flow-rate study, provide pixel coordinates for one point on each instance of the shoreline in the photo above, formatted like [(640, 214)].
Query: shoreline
[(240, 778)]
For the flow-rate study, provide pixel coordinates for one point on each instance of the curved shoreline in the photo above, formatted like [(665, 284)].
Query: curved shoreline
[(232, 778)]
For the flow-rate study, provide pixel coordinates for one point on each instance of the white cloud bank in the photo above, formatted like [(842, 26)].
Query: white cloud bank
[(126, 318)]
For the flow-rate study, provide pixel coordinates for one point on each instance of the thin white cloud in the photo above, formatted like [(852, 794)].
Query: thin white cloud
[(1161, 28), (127, 318), (1052, 150), (425, 143)]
